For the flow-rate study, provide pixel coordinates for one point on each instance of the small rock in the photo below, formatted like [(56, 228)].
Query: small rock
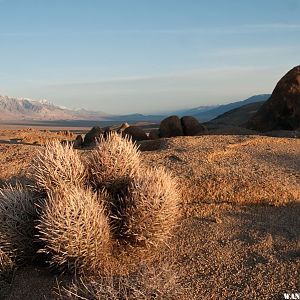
[(123, 127), (154, 134), (136, 133), (107, 130), (78, 141), (91, 138)]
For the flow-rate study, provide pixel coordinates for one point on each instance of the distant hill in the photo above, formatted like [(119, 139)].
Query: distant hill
[(24, 109), (193, 111), (238, 116), (137, 118), (210, 114)]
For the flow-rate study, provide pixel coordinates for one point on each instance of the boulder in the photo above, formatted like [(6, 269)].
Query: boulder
[(107, 130), (170, 127), (154, 134), (92, 136), (78, 141), (123, 127), (282, 110), (136, 133), (191, 126)]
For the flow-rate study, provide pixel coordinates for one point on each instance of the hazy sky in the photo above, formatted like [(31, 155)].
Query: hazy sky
[(123, 56)]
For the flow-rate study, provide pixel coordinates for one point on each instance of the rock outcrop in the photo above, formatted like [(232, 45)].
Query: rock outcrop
[(173, 126), (282, 110), (191, 126)]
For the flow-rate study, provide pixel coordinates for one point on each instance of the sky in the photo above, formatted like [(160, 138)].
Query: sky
[(147, 56)]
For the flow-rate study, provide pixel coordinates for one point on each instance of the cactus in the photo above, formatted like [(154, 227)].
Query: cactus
[(17, 216), (75, 229), (112, 165), (146, 216), (57, 165), (94, 209)]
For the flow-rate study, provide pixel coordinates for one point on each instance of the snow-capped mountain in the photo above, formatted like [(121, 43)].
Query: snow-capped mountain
[(28, 109)]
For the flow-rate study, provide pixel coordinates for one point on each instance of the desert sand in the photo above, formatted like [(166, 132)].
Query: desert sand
[(239, 232)]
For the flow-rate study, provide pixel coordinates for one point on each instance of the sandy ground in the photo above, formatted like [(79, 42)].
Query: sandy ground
[(239, 234)]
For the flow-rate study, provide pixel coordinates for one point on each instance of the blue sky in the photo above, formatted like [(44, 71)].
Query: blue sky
[(148, 56)]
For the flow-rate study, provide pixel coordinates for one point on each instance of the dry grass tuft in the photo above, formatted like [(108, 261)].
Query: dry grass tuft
[(148, 214), (17, 216), (57, 165), (75, 229)]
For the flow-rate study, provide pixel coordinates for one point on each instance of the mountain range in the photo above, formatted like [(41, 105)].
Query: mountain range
[(28, 109), (238, 116), (24, 109), (207, 113)]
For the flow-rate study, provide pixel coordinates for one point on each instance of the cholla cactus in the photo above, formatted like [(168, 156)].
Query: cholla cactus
[(57, 165), (75, 229), (150, 210), (17, 215), (115, 161)]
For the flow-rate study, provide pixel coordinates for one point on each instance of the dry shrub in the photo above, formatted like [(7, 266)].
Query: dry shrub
[(57, 165), (114, 162), (146, 216), (157, 281), (17, 216), (75, 229)]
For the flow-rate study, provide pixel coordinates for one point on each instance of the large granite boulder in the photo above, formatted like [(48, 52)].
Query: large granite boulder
[(91, 138), (282, 110), (191, 126), (170, 127), (136, 133)]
